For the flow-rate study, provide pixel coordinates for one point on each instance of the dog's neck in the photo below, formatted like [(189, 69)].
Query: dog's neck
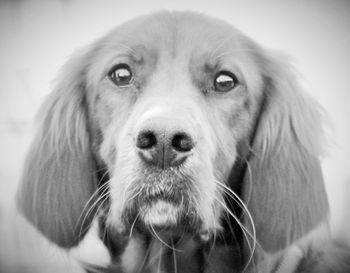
[(148, 254)]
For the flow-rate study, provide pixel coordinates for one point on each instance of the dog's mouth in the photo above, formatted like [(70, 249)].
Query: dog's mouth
[(168, 209)]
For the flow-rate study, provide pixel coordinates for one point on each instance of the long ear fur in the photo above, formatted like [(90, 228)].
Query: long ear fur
[(58, 177), (283, 184)]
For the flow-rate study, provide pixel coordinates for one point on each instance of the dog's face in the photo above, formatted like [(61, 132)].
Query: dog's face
[(171, 102), (177, 124)]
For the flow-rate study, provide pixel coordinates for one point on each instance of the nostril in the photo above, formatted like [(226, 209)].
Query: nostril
[(146, 140), (182, 142)]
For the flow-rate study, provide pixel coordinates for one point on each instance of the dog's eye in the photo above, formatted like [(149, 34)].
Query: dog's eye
[(225, 81), (121, 75)]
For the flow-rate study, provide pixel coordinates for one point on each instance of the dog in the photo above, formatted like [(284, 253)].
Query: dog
[(193, 147)]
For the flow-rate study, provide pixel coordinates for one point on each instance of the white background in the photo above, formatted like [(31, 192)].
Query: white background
[(36, 37)]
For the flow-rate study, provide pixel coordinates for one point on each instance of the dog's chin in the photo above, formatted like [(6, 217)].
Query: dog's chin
[(160, 214), (165, 202), (165, 217)]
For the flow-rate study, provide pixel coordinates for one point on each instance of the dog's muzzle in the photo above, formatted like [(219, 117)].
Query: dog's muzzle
[(164, 147)]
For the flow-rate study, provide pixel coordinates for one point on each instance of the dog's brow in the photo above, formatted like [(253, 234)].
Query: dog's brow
[(130, 50), (220, 45), (124, 50)]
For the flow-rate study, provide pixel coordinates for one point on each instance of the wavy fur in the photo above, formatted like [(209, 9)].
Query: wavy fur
[(58, 179)]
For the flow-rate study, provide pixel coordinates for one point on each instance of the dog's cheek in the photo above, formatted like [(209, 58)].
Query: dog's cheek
[(210, 168), (124, 172), (223, 139), (116, 152), (109, 110), (209, 201), (115, 141), (223, 135)]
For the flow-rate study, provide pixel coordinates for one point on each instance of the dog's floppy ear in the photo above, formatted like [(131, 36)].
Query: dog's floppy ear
[(59, 175), (283, 184)]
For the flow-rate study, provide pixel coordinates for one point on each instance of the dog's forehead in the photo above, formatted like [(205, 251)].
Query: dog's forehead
[(179, 34), (192, 46)]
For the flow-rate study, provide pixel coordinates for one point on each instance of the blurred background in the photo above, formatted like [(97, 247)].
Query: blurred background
[(37, 36)]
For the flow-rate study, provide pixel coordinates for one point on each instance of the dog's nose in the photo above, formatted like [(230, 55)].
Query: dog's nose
[(164, 148)]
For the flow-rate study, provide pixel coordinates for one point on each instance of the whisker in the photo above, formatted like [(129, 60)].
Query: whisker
[(92, 198), (162, 241), (245, 209), (250, 181), (98, 211), (243, 206), (101, 199), (100, 169), (136, 194), (153, 258), (212, 244), (105, 231), (174, 257), (245, 232), (83, 230), (211, 196), (160, 259), (146, 257), (96, 192), (133, 224)]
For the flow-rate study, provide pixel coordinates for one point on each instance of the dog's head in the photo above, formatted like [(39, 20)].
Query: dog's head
[(172, 104), (163, 124)]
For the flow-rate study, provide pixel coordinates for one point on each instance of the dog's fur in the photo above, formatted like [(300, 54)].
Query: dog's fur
[(249, 195)]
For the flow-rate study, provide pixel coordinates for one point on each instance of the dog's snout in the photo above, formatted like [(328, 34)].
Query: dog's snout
[(164, 148)]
